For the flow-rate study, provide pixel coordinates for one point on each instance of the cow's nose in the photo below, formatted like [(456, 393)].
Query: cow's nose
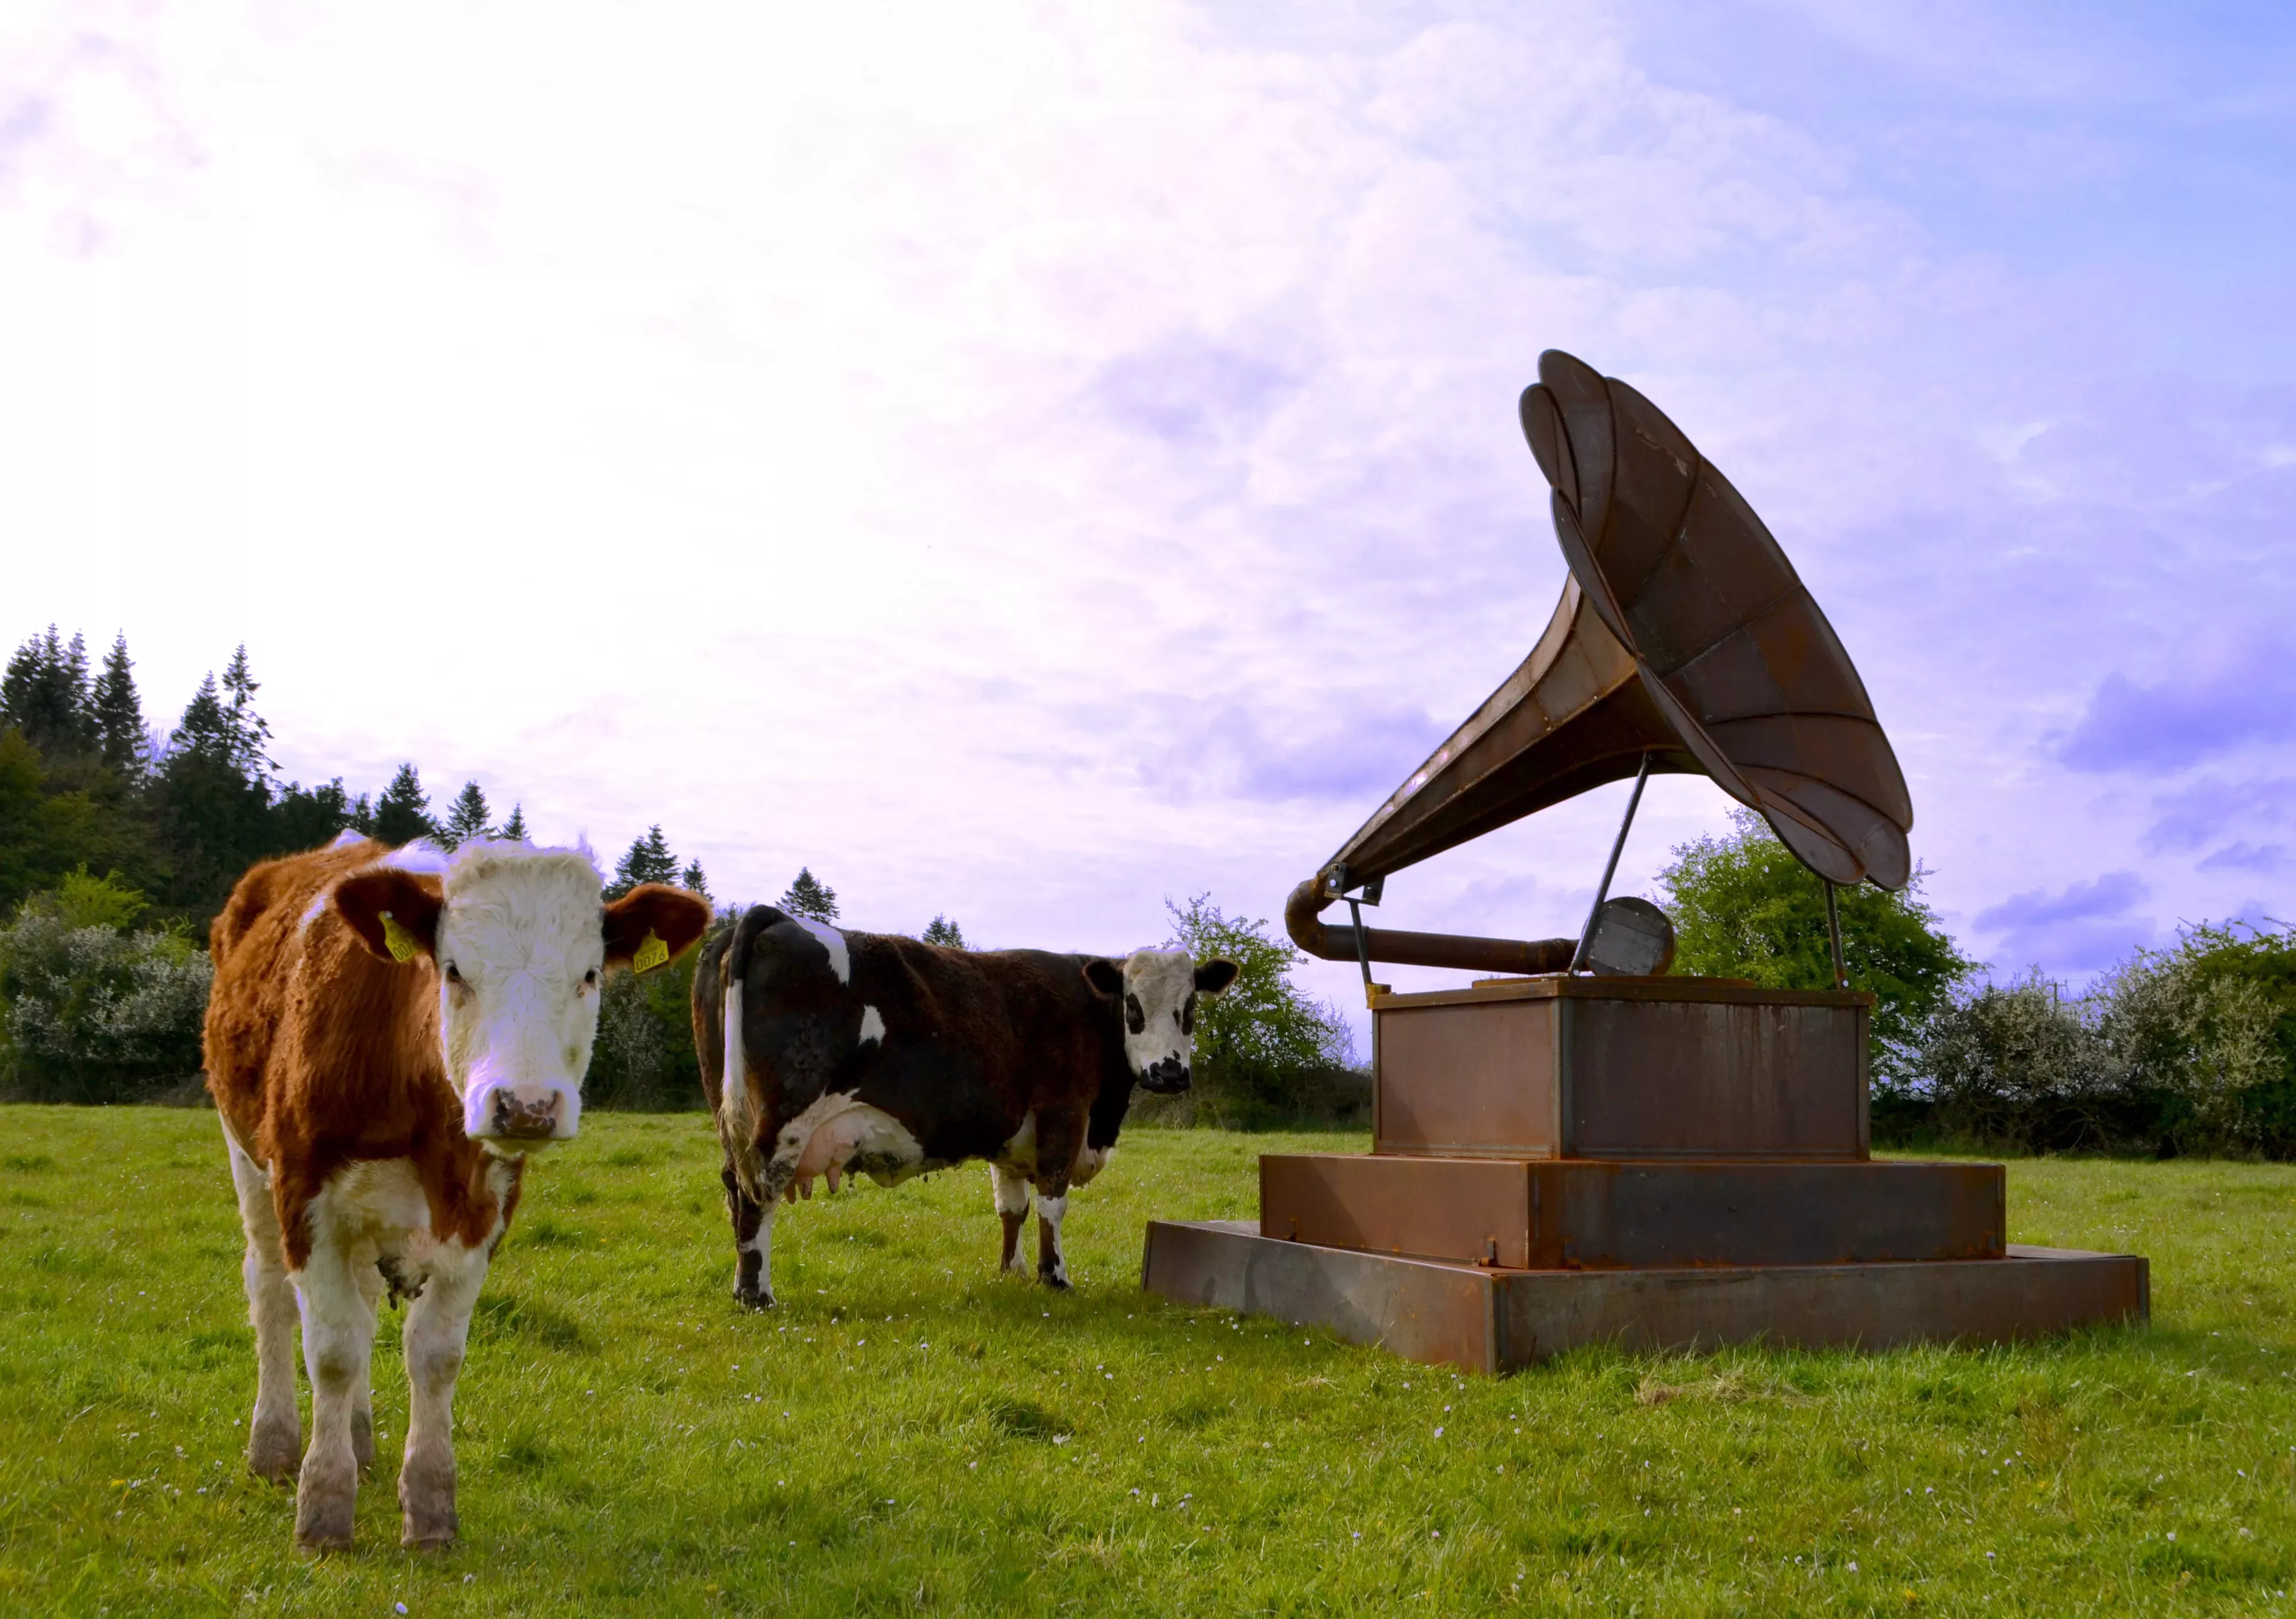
[(523, 1114), (1165, 1076)]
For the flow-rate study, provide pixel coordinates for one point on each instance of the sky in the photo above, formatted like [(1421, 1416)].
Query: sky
[(1030, 462)]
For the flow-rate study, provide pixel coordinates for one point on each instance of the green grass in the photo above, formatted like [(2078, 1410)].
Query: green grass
[(910, 1430)]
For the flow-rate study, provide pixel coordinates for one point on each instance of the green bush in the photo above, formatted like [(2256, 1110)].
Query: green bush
[(2178, 1051), (1265, 1051), (643, 1061), (96, 1011)]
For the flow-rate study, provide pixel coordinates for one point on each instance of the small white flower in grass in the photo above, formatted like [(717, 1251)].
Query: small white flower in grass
[(1060, 1439), (1853, 1569), (398, 1608), (2172, 1535)]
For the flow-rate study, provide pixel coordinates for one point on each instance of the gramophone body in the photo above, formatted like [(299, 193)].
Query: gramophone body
[(1591, 1149)]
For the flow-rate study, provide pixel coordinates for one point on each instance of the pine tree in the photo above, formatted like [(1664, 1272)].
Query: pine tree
[(251, 736), (308, 820), (117, 712), (693, 880), (205, 730), (43, 694), (467, 818), (649, 860), (513, 830), (809, 896), (402, 813), (941, 931)]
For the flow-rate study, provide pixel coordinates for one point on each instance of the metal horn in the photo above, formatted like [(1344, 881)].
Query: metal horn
[(1683, 635)]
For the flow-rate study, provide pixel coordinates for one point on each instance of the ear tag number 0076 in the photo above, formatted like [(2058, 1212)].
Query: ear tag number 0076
[(651, 954), (397, 940)]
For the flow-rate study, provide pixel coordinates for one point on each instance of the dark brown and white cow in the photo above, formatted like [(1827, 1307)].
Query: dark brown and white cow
[(390, 1034), (827, 1053)]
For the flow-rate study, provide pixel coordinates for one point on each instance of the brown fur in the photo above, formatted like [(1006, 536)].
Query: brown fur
[(321, 1050)]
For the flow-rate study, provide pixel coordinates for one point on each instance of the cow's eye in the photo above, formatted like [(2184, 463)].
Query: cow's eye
[(1134, 1019), (1188, 1015), (454, 974), (590, 979)]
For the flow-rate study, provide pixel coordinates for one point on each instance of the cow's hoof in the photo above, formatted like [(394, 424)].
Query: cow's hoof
[(323, 1523), (1055, 1280), (275, 1451), (753, 1298), (427, 1532), (362, 1439), (426, 1499)]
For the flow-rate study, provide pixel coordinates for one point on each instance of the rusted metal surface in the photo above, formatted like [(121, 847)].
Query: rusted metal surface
[(1684, 643), (1439, 1314), (1499, 1321), (1621, 1069), (1582, 1214)]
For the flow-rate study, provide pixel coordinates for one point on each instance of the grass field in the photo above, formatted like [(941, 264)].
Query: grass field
[(910, 1431)]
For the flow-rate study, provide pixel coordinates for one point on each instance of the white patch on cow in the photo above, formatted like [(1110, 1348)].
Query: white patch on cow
[(1010, 1189), (837, 1129), (424, 857), (518, 1012), (873, 1027), (1052, 1210), (733, 1087), (1019, 1153), (841, 958), (762, 1245)]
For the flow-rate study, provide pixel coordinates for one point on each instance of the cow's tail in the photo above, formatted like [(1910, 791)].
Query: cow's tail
[(734, 1109)]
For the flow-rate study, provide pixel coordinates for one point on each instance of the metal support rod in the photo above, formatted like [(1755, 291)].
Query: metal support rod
[(1603, 892), (1363, 946), (1833, 931)]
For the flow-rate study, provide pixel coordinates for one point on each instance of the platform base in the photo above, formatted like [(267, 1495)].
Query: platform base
[(1497, 1320)]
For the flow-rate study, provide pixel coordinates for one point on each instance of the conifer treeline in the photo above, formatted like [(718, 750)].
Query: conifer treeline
[(87, 781)]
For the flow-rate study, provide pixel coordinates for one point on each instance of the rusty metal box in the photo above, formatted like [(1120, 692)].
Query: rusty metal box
[(1574, 1214), (1648, 1068)]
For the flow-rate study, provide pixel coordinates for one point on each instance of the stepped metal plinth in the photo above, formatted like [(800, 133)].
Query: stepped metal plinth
[(1656, 1163)]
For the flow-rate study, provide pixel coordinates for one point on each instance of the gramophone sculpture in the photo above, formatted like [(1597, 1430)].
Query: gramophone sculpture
[(1593, 1150)]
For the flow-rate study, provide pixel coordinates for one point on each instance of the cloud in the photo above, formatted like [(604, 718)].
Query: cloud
[(2248, 856), (2081, 928), (2196, 814), (2182, 720)]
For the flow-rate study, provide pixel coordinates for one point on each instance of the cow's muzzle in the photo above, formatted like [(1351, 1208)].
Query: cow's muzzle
[(524, 1115), (1166, 1078)]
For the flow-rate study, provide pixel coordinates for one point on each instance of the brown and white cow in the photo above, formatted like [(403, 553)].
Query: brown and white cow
[(390, 1034), (827, 1053)]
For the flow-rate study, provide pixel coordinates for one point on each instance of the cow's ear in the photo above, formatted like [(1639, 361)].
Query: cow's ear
[(1215, 976), (653, 924), (1105, 977), (395, 913)]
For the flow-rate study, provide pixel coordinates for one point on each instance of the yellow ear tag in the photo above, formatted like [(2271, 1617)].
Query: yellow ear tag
[(397, 940), (650, 955)]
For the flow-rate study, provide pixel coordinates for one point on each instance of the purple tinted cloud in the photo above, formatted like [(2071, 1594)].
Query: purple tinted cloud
[(2079, 929), (2183, 720), (2248, 856), (1190, 391), (2197, 814)]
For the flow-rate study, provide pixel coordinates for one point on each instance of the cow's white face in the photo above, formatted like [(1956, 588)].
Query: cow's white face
[(1157, 992), (522, 945)]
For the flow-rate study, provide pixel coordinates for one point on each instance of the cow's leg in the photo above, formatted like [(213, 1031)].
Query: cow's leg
[(438, 1329), (1058, 1137), (275, 1435), (338, 1346), (1012, 1192), (370, 1285), (753, 1245)]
